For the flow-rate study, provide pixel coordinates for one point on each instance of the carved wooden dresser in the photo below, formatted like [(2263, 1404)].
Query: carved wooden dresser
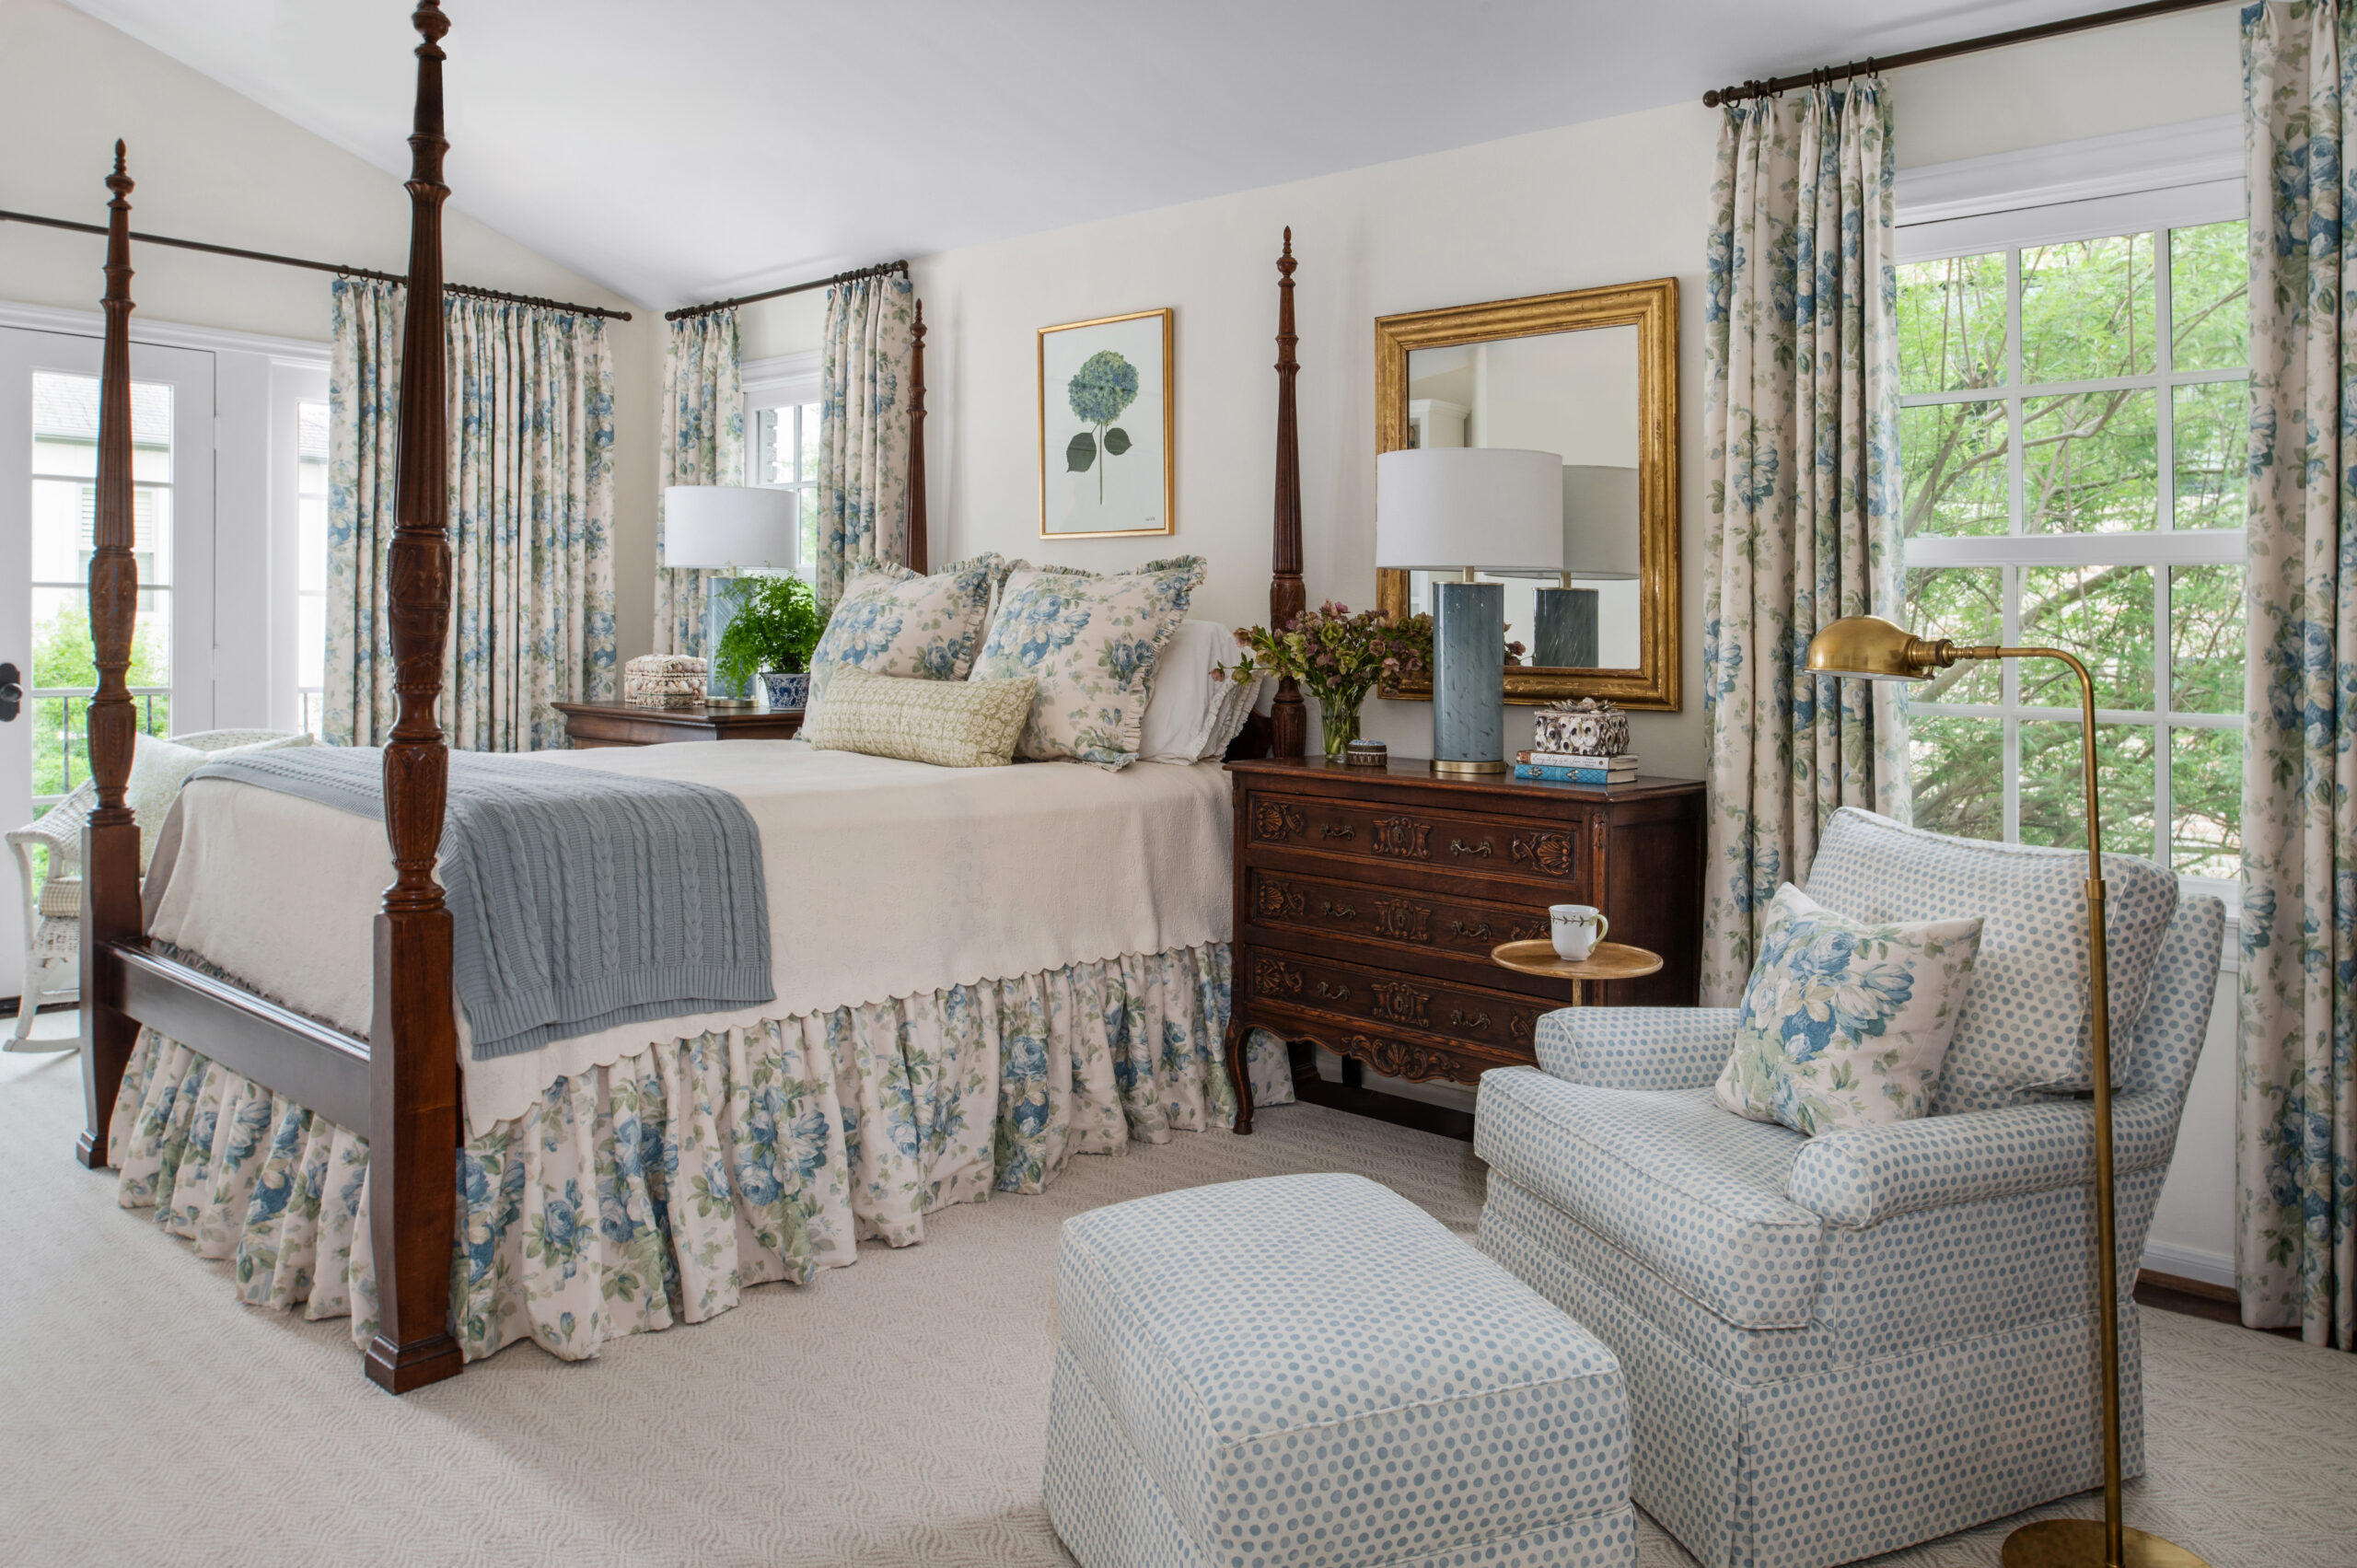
[(1367, 900)]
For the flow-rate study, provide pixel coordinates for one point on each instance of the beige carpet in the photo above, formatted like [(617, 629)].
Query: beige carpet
[(889, 1414)]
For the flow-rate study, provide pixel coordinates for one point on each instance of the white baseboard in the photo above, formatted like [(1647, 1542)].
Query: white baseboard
[(2190, 1263)]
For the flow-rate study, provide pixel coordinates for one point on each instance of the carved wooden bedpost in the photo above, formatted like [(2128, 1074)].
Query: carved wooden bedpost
[(413, 1044), (916, 546), (1288, 720), (111, 842)]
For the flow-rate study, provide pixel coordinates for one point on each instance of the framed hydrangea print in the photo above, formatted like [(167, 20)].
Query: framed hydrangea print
[(1105, 426)]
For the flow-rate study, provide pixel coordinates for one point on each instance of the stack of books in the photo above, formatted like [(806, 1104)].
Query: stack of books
[(1564, 767)]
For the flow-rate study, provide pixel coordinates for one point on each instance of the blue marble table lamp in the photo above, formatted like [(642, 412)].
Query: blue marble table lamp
[(729, 527), (1468, 510)]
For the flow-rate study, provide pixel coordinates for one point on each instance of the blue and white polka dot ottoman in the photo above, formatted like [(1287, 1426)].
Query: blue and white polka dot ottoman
[(1309, 1372)]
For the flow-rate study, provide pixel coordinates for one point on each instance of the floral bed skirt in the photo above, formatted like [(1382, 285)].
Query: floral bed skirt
[(654, 1191)]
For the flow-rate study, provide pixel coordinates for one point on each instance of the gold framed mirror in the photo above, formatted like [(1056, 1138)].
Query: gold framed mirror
[(1591, 376)]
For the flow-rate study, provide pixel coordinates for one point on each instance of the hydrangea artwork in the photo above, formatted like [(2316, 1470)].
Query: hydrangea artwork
[(1105, 426), (1098, 391)]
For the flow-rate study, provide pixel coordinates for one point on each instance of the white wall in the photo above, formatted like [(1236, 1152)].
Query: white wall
[(211, 165), (1607, 202)]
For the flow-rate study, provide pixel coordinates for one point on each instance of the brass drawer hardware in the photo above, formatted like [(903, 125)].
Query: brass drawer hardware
[(1459, 846), (1337, 911), (1479, 933), (1336, 992), (1458, 1020), (1336, 831)]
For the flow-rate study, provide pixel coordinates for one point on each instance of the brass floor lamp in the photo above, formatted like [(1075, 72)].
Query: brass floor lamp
[(1875, 649)]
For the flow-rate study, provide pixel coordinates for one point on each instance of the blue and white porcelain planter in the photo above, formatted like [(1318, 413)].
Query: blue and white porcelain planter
[(786, 691)]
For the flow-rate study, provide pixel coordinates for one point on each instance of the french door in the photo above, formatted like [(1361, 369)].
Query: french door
[(49, 430)]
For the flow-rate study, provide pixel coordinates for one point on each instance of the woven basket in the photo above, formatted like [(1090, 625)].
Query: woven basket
[(664, 681)]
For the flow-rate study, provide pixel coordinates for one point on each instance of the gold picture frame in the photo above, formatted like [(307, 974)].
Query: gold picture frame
[(1097, 436), (1650, 307)]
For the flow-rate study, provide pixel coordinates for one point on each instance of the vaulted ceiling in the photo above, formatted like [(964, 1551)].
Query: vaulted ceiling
[(677, 150)]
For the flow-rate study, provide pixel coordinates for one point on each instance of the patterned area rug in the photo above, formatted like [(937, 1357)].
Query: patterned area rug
[(889, 1414)]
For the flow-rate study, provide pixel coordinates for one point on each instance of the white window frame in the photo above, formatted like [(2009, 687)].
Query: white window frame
[(786, 380), (2174, 177)]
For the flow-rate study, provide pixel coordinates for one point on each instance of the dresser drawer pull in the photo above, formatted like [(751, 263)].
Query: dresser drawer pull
[(1337, 911), (1459, 846), (1478, 933), (1336, 831), (1477, 1021), (1337, 992)]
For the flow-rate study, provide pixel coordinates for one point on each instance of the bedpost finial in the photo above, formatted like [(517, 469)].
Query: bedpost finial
[(1285, 263), (120, 182), (919, 328), (431, 25)]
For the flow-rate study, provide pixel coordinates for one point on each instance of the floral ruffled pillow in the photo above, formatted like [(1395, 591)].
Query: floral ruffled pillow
[(1845, 1023), (891, 621), (1092, 641)]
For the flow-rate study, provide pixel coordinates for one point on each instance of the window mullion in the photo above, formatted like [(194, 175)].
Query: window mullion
[(2009, 676), (2013, 390)]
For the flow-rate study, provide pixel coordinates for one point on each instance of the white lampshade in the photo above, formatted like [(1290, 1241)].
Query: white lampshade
[(1599, 521), (1494, 508), (740, 526)]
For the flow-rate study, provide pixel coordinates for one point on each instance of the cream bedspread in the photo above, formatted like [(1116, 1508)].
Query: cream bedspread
[(885, 879)]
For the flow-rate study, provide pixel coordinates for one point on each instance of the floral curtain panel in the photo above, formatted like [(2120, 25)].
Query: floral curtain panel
[(1801, 435), (364, 399), (656, 1190), (2296, 1130), (863, 427), (532, 400), (704, 443)]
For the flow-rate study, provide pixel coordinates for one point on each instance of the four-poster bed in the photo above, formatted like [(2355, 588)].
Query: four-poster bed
[(401, 1081)]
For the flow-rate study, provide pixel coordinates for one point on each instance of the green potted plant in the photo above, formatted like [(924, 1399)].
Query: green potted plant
[(776, 627)]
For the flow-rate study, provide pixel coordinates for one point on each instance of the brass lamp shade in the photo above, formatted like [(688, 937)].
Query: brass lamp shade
[(1871, 648)]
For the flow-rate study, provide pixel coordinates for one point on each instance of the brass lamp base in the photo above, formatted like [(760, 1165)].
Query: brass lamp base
[(1444, 765), (2079, 1543)]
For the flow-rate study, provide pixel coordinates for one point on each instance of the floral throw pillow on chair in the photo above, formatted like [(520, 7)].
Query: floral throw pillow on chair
[(891, 621), (1845, 1023), (1092, 642)]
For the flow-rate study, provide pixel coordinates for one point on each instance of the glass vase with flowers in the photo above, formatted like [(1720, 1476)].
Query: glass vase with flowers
[(1338, 657)]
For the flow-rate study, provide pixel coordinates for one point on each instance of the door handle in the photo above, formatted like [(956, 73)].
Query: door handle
[(12, 691)]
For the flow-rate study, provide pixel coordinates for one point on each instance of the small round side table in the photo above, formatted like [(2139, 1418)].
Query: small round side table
[(1610, 960)]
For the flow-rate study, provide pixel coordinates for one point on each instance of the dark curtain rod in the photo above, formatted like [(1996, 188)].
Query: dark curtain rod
[(1950, 51), (684, 312), (468, 289)]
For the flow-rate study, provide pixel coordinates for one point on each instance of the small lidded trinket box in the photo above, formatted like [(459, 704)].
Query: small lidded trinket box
[(1586, 728), (664, 681)]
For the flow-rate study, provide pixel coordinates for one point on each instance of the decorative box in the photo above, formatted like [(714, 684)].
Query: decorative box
[(664, 681), (1583, 728)]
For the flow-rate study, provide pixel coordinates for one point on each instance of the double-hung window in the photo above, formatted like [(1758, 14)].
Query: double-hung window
[(781, 436), (2074, 439)]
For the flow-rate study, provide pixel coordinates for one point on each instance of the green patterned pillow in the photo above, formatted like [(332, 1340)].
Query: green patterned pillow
[(951, 724), (891, 621), (1092, 641), (1845, 1023)]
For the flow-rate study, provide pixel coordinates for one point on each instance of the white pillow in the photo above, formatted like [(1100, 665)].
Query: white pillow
[(158, 768), (1192, 714), (1178, 710)]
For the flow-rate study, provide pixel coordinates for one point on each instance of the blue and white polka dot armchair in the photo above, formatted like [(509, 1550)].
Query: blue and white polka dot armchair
[(1841, 1345)]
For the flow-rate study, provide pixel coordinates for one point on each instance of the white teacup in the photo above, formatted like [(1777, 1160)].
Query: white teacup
[(1576, 928)]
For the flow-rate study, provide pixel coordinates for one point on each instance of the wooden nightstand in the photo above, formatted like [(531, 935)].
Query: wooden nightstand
[(1367, 900), (592, 725)]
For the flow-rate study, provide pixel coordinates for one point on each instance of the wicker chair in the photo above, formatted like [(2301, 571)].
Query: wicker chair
[(54, 904)]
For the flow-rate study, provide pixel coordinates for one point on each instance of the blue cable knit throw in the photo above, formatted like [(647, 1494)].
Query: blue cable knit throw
[(579, 900)]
